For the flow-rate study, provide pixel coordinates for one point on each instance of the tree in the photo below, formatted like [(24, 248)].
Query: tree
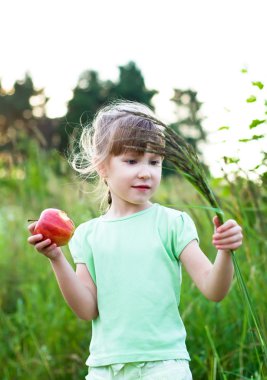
[(19, 108), (88, 95), (15, 104), (131, 85), (189, 123), (91, 93)]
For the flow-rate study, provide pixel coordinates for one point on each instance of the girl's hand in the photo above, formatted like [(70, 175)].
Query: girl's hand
[(227, 236), (44, 246)]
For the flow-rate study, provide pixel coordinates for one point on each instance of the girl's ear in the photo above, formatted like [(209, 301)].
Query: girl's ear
[(101, 170)]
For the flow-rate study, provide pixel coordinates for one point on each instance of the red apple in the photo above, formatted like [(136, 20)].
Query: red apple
[(55, 225)]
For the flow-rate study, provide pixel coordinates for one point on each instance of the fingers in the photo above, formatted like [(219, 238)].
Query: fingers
[(31, 227), (228, 224), (230, 232), (216, 221), (228, 236), (230, 243), (34, 239), (229, 246), (43, 246)]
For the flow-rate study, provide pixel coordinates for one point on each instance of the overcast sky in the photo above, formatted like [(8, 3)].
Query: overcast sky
[(202, 45)]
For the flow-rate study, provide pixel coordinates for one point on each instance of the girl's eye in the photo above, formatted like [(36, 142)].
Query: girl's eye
[(154, 163)]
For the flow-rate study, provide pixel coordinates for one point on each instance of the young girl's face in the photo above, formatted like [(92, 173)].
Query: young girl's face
[(133, 177)]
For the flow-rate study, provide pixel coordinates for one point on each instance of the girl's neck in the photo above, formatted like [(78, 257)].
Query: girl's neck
[(126, 210)]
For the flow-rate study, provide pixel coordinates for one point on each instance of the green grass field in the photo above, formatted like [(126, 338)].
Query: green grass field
[(40, 338)]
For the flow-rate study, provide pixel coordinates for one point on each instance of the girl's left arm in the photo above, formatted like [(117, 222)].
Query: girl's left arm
[(214, 280)]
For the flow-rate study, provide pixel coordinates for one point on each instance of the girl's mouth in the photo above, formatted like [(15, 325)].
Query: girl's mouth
[(143, 188)]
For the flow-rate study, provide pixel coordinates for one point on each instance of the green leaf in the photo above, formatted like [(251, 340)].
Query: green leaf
[(231, 160), (244, 140), (264, 177), (258, 84), (254, 137), (223, 128), (251, 99), (257, 137), (255, 123), (256, 167)]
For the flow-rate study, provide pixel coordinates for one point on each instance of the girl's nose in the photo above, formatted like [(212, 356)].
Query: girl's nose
[(144, 173)]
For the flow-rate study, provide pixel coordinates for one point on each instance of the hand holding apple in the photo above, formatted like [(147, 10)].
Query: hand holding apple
[(53, 229), (55, 225)]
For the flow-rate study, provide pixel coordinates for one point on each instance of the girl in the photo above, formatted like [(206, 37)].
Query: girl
[(128, 260)]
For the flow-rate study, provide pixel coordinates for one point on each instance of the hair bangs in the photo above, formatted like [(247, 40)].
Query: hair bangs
[(138, 135)]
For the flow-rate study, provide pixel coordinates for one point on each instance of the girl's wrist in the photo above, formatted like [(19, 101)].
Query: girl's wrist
[(224, 251), (57, 257)]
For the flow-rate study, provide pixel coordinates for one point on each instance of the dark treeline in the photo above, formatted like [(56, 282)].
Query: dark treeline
[(23, 111)]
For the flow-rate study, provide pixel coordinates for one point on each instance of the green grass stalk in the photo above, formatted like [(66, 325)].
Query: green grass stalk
[(216, 356)]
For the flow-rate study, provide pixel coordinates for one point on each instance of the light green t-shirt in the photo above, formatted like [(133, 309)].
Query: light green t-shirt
[(134, 262)]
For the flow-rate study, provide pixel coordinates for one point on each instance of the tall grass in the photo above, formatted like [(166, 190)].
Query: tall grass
[(40, 338)]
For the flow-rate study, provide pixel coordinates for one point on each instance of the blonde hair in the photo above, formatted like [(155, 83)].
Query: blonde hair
[(117, 127)]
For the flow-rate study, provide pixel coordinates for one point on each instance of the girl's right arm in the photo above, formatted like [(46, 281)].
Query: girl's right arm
[(78, 288)]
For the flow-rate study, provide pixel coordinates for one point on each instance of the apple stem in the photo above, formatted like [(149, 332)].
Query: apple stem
[(32, 220)]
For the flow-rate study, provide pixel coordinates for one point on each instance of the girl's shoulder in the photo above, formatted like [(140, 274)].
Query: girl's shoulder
[(86, 226), (172, 217), (169, 212), (176, 229)]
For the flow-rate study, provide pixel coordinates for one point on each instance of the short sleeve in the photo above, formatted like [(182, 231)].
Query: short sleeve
[(183, 233), (80, 248)]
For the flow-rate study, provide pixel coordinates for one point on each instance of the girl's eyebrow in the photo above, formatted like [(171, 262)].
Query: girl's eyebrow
[(136, 154), (131, 154), (154, 155)]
